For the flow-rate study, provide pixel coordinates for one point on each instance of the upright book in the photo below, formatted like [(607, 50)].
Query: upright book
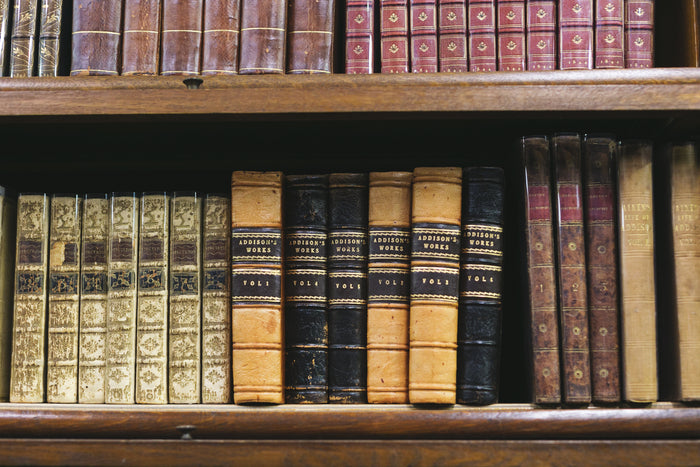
[(310, 35), (181, 39), (49, 37), (609, 34), (8, 230), (359, 37), (25, 15), (576, 34), (263, 37), (639, 33), (141, 37), (423, 36), (5, 31), (394, 35), (482, 35), (541, 35), (452, 36), (511, 35), (96, 37), (220, 37)]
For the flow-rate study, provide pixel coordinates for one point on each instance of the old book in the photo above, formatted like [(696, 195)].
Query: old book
[(452, 36), (435, 250), (305, 210), (394, 50), (482, 35), (216, 300), (481, 286), (541, 35), (96, 37), (423, 36), (5, 31), (23, 40), (63, 298), (152, 311), (93, 298), (571, 268), (540, 271), (310, 36), (599, 163), (181, 37), (511, 35), (49, 37), (359, 37), (185, 325), (388, 286), (122, 298), (27, 379), (639, 33), (222, 30), (576, 34), (609, 34), (141, 41), (637, 279), (256, 289), (263, 37), (8, 231)]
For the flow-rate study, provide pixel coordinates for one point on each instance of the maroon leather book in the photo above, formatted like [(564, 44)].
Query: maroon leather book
[(263, 34), (452, 35), (599, 162), (482, 35), (310, 36), (609, 34), (23, 39), (571, 274), (220, 37), (182, 37), (359, 37), (141, 43), (394, 36), (639, 34), (541, 26), (96, 38), (511, 35), (424, 41), (576, 34)]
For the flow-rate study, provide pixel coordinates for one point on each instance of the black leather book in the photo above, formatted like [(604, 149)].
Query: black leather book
[(305, 257), (479, 322), (347, 288)]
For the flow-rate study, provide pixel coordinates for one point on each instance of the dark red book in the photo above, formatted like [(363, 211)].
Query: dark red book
[(452, 33), (541, 26), (310, 36), (394, 36), (639, 34), (181, 40), (359, 37), (220, 37), (511, 35), (576, 34), (141, 43), (609, 34), (424, 42), (482, 35)]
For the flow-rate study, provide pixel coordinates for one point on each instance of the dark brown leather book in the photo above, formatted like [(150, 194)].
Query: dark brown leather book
[(141, 42), (23, 42), (263, 36), (609, 34), (49, 37), (96, 37), (8, 230), (222, 30), (359, 37), (181, 37), (310, 36), (5, 25)]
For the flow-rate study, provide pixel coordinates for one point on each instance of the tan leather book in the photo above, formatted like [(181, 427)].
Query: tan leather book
[(637, 295), (152, 311), (8, 230), (29, 324), (64, 299), (256, 287), (435, 249), (388, 286), (23, 41)]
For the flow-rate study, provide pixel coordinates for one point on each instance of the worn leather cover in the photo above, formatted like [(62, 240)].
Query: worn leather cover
[(609, 34), (263, 34), (222, 30), (452, 34), (49, 37), (639, 34), (181, 40), (23, 42), (511, 35), (482, 35), (423, 34), (310, 36), (599, 162), (394, 36), (359, 37), (256, 287), (305, 283), (435, 249), (5, 24), (541, 27), (141, 42), (576, 34), (96, 37), (8, 231)]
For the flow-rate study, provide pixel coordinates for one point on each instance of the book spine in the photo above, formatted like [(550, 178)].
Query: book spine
[(262, 47), (222, 30), (639, 34), (27, 380), (452, 34), (388, 286), (310, 36), (576, 35), (181, 41), (394, 36), (359, 37), (5, 33), (23, 41), (541, 35), (96, 37), (305, 285), (8, 230), (435, 250), (63, 299), (599, 161), (482, 35), (141, 41), (423, 34), (49, 37), (481, 287), (511, 35), (121, 299), (609, 34), (93, 299), (152, 317), (184, 344), (216, 300)]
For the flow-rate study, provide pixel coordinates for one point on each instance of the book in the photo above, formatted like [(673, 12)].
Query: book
[(181, 37), (49, 37), (482, 35), (541, 35), (256, 288), (637, 279), (152, 299), (263, 37), (63, 298), (27, 379), (423, 36), (185, 300), (576, 35), (599, 163), (452, 36), (388, 288), (216, 300), (639, 33), (8, 231), (435, 249), (481, 286), (305, 211), (5, 33), (570, 246), (220, 37), (393, 32), (359, 36), (23, 40), (141, 37), (310, 31), (96, 37), (609, 34), (511, 35)]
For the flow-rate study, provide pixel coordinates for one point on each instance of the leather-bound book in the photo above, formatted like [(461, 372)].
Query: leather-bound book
[(637, 279), (310, 34), (49, 42), (576, 35), (256, 289), (639, 33), (609, 34), (599, 163), (263, 37), (423, 34), (481, 286), (96, 37), (359, 37), (5, 31), (216, 300), (388, 286), (541, 27), (141, 41), (305, 278), (394, 36), (185, 326), (222, 31), (93, 299), (8, 230), (23, 41), (347, 287), (181, 40), (435, 250), (122, 276), (63, 298), (152, 314), (482, 35), (511, 35), (27, 379), (452, 36)]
